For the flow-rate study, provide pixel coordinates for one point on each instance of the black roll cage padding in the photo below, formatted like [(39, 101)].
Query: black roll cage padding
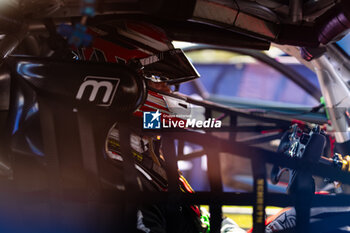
[(216, 185), (173, 202), (90, 142), (260, 186)]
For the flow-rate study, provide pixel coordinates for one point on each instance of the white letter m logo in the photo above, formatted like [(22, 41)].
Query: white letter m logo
[(96, 85)]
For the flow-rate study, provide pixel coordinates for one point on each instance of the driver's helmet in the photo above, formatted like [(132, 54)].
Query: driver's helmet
[(140, 44), (146, 48)]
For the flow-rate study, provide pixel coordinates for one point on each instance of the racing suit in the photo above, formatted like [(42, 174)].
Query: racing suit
[(150, 166)]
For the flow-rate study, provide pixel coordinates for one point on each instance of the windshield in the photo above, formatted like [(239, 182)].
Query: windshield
[(345, 44)]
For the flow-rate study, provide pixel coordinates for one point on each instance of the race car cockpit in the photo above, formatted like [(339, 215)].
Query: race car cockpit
[(93, 124)]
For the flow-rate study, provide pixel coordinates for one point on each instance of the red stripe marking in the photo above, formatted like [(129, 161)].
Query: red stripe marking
[(156, 105), (155, 94), (196, 210)]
